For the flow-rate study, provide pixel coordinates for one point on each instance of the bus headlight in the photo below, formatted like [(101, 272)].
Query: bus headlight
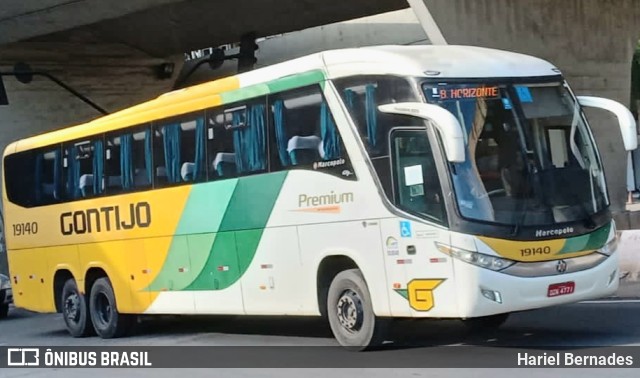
[(476, 258), (610, 247)]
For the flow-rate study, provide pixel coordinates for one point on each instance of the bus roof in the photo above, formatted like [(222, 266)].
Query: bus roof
[(444, 62)]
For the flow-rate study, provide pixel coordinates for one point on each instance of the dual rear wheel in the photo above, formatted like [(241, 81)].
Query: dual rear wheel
[(96, 314)]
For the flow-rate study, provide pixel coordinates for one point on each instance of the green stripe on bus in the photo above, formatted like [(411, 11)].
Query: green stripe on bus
[(244, 221), (279, 85), (594, 240), (201, 218), (295, 81)]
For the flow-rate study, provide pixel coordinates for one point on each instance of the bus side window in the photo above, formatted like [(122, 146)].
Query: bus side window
[(179, 150), (83, 168), (47, 177), (303, 132), (363, 95), (220, 148), (237, 140), (128, 161)]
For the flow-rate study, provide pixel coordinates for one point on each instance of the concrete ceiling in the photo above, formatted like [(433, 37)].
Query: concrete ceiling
[(166, 27)]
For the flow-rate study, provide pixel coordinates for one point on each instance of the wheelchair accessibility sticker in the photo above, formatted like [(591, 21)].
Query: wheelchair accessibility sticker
[(405, 229)]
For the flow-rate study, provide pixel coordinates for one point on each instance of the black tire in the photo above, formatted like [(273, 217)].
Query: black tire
[(4, 311), (107, 322), (350, 313), (485, 324), (75, 310)]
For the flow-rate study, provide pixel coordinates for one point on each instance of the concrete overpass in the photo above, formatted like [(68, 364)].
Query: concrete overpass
[(110, 50), (164, 27)]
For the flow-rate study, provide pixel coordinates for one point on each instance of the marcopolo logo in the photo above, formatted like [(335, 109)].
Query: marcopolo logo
[(556, 232)]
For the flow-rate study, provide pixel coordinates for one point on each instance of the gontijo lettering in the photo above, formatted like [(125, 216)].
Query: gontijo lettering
[(107, 218)]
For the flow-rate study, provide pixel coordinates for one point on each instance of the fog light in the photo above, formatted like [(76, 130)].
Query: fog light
[(612, 276), (492, 295)]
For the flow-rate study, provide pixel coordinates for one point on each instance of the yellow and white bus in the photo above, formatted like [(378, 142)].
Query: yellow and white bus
[(359, 184)]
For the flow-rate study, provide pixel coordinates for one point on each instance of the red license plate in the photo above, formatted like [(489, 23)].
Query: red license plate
[(561, 289)]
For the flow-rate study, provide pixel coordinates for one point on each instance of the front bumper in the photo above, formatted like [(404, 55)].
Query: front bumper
[(525, 293)]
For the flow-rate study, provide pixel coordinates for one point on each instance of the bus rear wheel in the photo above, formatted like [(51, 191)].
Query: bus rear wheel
[(107, 322), (350, 312), (75, 310)]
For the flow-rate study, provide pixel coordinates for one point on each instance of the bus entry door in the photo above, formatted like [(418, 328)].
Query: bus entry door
[(417, 272)]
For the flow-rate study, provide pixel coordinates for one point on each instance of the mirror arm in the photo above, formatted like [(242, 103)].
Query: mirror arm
[(625, 118), (446, 123)]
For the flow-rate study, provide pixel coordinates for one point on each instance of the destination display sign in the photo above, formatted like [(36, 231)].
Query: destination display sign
[(456, 93)]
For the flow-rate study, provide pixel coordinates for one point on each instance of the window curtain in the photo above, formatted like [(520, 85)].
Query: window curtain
[(371, 115), (57, 174), (350, 99), (281, 134), (126, 161), (148, 155), (199, 164), (38, 178), (239, 136), (250, 140), (468, 184), (73, 173), (98, 166), (329, 134), (172, 152), (257, 147)]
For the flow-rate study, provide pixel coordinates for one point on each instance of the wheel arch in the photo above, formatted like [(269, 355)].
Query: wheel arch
[(329, 265)]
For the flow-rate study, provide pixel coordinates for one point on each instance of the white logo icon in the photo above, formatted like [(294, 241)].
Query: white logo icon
[(23, 357)]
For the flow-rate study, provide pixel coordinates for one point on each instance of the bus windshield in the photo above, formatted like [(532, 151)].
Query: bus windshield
[(530, 157)]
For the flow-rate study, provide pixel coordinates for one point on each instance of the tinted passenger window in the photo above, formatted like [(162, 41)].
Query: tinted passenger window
[(180, 151), (363, 95), (128, 161), (304, 134), (237, 140), (83, 169)]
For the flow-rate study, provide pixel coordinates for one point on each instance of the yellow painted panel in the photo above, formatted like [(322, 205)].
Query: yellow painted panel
[(155, 214), (512, 249)]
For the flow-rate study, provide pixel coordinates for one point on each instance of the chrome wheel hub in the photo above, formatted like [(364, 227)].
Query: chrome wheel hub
[(350, 311)]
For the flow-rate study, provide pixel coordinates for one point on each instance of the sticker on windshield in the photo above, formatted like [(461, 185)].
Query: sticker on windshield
[(524, 94), (507, 104), (413, 175), (416, 190)]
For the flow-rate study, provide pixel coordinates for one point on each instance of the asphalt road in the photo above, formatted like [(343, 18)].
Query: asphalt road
[(581, 326)]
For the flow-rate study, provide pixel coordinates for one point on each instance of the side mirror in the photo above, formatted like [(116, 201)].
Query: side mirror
[(442, 119), (625, 118)]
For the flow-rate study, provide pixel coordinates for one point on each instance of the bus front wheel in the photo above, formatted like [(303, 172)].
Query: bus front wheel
[(350, 312), (75, 310), (107, 322)]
